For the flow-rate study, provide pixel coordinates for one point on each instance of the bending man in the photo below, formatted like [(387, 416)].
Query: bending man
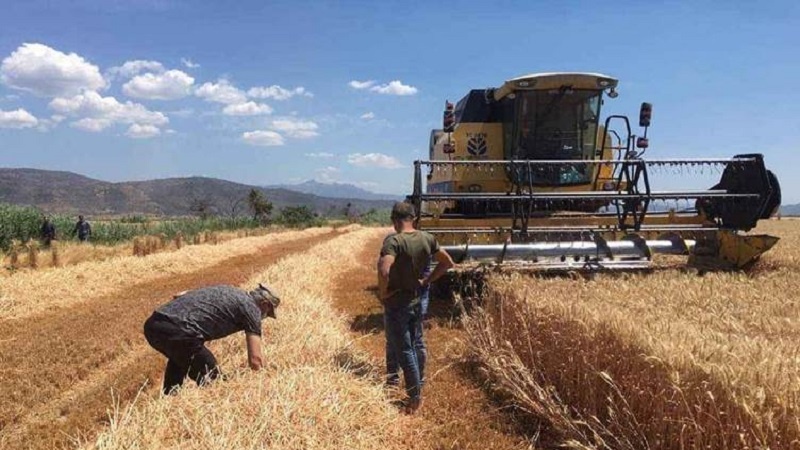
[(179, 329)]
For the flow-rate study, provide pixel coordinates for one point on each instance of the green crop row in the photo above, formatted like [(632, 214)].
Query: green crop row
[(22, 223)]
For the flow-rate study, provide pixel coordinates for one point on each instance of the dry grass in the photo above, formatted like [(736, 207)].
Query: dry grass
[(664, 361), (29, 292), (306, 398)]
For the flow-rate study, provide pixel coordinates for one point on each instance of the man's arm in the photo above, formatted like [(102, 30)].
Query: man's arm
[(255, 359), (384, 266), (443, 263)]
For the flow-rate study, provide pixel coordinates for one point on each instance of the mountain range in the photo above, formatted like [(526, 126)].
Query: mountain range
[(69, 193), (790, 210), (335, 190)]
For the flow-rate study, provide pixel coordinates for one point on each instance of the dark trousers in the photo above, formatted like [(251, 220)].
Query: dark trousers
[(405, 347), (187, 355)]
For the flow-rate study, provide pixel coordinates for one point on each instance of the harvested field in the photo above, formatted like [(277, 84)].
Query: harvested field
[(665, 360)]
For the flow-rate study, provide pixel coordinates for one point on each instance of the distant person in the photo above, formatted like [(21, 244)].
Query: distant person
[(179, 329), (82, 229), (48, 231), (404, 256)]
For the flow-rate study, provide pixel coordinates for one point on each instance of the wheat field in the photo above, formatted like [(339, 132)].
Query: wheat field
[(665, 360), (662, 360)]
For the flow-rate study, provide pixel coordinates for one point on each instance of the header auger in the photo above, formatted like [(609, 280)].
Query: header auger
[(526, 176)]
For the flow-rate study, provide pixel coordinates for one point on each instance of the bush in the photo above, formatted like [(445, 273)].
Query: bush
[(298, 217)]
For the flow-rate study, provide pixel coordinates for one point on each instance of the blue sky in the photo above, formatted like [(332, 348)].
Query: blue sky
[(263, 92)]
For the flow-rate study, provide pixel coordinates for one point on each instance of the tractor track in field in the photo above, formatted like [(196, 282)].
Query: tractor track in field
[(58, 368), (456, 412)]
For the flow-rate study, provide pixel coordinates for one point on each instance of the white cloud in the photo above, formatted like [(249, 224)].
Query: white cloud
[(395, 87), (327, 174), (374, 160), (46, 72), (170, 85), (263, 138), (133, 68), (17, 119), (361, 84), (368, 116), (324, 155), (247, 109), (221, 92), (299, 129), (189, 63), (92, 125), (97, 113), (278, 93), (137, 131)]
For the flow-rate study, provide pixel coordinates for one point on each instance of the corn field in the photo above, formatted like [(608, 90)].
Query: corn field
[(22, 224)]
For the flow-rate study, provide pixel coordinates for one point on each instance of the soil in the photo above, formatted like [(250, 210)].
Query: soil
[(456, 411)]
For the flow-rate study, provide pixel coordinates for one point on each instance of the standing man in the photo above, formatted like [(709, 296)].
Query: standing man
[(179, 329), (404, 256), (82, 229), (48, 231)]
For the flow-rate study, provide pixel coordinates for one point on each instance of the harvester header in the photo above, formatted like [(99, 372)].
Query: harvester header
[(527, 174)]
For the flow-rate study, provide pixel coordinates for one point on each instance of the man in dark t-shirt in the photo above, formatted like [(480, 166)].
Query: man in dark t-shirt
[(179, 329), (404, 257)]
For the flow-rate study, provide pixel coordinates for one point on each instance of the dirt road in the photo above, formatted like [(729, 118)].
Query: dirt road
[(58, 368), (456, 413)]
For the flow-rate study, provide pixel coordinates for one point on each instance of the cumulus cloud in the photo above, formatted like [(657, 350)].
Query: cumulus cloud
[(263, 138), (17, 119), (96, 113), (133, 68), (278, 93), (368, 116), (247, 109), (221, 92), (46, 72), (91, 124), (298, 129), (137, 131), (374, 160), (361, 84), (189, 63), (324, 155), (327, 174), (395, 87), (170, 85)]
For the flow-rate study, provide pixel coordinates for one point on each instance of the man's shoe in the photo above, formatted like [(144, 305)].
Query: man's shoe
[(413, 405)]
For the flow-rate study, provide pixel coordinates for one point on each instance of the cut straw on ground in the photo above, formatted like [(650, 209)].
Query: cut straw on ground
[(31, 292), (307, 397)]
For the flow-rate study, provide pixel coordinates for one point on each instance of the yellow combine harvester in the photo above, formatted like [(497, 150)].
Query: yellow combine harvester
[(527, 175)]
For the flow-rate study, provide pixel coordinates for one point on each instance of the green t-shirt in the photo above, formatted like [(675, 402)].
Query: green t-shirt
[(412, 253)]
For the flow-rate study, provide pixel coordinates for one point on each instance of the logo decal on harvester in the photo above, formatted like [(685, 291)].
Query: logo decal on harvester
[(476, 144)]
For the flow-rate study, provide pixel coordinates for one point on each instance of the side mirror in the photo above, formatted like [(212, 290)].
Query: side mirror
[(449, 122), (645, 114)]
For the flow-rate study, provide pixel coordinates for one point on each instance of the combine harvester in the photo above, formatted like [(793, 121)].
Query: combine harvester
[(525, 175)]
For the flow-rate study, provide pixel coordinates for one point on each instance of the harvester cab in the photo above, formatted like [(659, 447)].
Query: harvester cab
[(527, 175)]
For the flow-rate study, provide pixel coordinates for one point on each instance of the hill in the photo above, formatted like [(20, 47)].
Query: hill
[(70, 193), (790, 210), (336, 190)]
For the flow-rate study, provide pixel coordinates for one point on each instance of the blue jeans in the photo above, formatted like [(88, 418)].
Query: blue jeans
[(405, 347)]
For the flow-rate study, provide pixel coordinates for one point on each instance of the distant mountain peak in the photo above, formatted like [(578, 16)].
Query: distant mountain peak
[(336, 190)]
